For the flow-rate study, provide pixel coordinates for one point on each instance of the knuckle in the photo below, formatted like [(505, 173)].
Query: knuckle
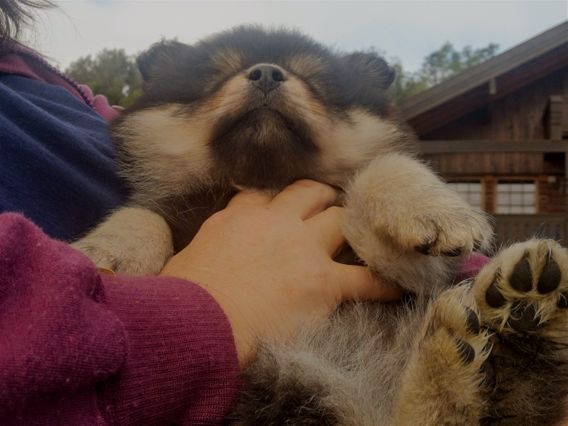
[(306, 183), (337, 212), (327, 193), (317, 187), (217, 218)]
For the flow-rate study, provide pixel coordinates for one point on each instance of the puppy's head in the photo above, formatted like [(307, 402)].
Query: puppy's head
[(255, 108)]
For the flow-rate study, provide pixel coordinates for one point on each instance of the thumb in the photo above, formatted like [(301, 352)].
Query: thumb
[(357, 282)]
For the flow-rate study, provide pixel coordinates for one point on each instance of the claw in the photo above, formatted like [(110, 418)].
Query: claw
[(472, 324), (523, 318), (466, 351), (454, 253), (426, 248)]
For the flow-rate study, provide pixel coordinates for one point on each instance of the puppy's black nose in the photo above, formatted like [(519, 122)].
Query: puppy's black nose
[(266, 77)]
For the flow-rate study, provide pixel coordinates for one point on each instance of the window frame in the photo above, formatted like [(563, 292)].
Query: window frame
[(472, 180), (517, 180)]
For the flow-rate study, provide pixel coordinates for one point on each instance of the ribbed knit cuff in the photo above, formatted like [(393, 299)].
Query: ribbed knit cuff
[(182, 363)]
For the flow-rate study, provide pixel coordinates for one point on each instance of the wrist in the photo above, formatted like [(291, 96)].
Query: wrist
[(182, 266), (242, 326)]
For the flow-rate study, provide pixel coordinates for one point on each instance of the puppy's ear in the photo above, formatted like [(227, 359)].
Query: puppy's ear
[(161, 55), (371, 67)]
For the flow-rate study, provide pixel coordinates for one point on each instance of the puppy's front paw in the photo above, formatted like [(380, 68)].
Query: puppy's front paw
[(522, 296), (109, 253), (408, 226), (133, 241), (454, 320), (444, 226), (401, 202), (524, 290), (445, 381), (100, 256)]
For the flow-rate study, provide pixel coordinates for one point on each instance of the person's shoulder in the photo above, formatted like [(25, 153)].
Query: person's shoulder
[(20, 60)]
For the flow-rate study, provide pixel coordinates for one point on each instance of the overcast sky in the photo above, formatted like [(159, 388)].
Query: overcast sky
[(408, 30)]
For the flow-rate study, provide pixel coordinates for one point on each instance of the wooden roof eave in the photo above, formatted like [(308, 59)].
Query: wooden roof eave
[(540, 146), (485, 72)]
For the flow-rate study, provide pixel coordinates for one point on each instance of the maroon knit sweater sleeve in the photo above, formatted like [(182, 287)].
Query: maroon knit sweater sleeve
[(80, 349)]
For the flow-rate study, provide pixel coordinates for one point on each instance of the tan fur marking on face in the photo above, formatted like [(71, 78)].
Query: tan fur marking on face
[(229, 98), (170, 145), (172, 141), (228, 61), (305, 65), (298, 97)]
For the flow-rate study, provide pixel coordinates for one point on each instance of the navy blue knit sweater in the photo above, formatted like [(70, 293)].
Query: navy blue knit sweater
[(56, 158)]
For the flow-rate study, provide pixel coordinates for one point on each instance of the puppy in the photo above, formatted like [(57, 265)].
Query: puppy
[(252, 108)]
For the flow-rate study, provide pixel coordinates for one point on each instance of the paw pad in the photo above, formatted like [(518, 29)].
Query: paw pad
[(550, 277), (523, 317), (523, 287), (493, 296), (521, 277)]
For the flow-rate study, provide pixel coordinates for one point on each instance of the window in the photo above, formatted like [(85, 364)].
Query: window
[(471, 192), (516, 197)]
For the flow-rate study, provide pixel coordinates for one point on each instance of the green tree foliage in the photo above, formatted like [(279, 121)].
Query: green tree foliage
[(438, 66), (112, 73)]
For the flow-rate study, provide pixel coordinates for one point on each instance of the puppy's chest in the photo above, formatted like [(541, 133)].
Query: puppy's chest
[(185, 213)]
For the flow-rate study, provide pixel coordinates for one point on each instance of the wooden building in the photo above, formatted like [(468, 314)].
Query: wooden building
[(498, 132)]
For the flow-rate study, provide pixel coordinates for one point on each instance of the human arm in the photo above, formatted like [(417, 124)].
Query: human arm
[(82, 348), (126, 350)]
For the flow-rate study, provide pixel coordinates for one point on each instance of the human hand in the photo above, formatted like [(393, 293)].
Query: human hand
[(269, 264)]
